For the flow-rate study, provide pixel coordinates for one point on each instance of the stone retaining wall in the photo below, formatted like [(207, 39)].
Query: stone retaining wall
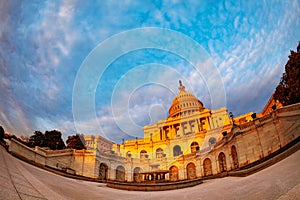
[(154, 186)]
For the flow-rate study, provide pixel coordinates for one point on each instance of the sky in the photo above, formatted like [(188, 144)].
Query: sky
[(111, 67)]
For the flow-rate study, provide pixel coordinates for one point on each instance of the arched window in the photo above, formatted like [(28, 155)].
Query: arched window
[(195, 147), (120, 173), (177, 150), (173, 173), (143, 154), (159, 153), (207, 168), (222, 162), (128, 154)]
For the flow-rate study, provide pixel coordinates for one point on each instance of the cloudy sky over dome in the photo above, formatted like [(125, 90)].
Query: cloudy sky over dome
[(46, 44)]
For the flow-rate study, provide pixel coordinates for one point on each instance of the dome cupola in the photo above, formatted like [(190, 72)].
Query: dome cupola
[(185, 103)]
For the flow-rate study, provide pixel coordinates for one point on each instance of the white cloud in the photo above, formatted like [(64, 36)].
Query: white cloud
[(251, 66), (15, 120), (55, 32), (6, 122), (249, 57)]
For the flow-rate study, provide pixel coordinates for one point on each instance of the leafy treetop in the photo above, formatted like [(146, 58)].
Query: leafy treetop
[(75, 142), (288, 90), (51, 139)]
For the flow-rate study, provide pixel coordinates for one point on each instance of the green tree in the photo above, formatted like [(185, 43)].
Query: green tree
[(288, 90), (2, 133), (75, 142), (37, 139), (54, 140)]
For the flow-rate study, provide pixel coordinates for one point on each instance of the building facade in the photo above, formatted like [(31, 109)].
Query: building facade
[(189, 127), (271, 105), (192, 142)]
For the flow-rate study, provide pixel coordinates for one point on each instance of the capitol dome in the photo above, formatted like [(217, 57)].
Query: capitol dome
[(185, 103)]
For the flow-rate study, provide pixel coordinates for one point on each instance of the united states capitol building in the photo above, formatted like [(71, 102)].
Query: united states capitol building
[(192, 142)]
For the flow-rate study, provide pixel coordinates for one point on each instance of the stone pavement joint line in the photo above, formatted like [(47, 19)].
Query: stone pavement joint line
[(7, 170), (23, 188)]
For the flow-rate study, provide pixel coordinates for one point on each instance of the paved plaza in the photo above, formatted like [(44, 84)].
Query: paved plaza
[(20, 180)]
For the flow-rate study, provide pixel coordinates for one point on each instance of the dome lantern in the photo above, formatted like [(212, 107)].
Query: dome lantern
[(185, 103), (181, 87)]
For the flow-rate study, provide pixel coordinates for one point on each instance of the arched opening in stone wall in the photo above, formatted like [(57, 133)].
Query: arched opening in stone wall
[(137, 176), (159, 153), (234, 156), (120, 173), (143, 154), (195, 147), (128, 154), (177, 150), (103, 171), (173, 173), (222, 162), (207, 168), (191, 171)]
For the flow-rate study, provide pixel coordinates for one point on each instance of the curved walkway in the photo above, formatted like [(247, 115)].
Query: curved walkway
[(19, 180)]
